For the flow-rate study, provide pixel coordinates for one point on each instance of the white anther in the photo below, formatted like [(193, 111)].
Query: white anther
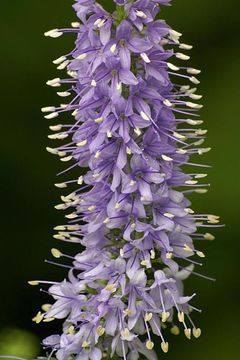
[(191, 182), (181, 151), (209, 236), (99, 120), (187, 248), (149, 345), (48, 109), (181, 317), (204, 150), (117, 206), (132, 183), (56, 253), (82, 143), (185, 46), (92, 208), (185, 88), (63, 65), (52, 151), (175, 330), (193, 105), (148, 316), (67, 158), (61, 185), (194, 122), (33, 283), (54, 82), (81, 56), (59, 60), (121, 253), (145, 58), (75, 112), (174, 35), (152, 254), (195, 96), (60, 207), (128, 151), (111, 288), (172, 67), (166, 158), (193, 71), (106, 221), (144, 116), (169, 215), (167, 103), (169, 255), (187, 333), (164, 346), (109, 134), (75, 24), (179, 136), (59, 228), (55, 33), (189, 211), (140, 14), (55, 127), (201, 191), (113, 48), (197, 332), (165, 316), (200, 254), (93, 83), (201, 132), (194, 80), (182, 56), (100, 330), (144, 262), (80, 180), (71, 216), (137, 131)]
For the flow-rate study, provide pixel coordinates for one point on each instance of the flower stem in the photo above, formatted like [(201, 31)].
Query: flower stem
[(120, 14)]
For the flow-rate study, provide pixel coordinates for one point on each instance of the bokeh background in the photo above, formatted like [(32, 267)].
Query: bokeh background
[(28, 171)]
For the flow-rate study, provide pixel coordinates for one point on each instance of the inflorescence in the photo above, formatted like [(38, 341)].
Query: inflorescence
[(134, 125)]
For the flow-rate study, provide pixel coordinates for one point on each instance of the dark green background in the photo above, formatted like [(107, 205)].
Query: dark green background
[(28, 171)]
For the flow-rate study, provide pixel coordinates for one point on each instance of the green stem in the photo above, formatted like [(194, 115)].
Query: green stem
[(120, 14)]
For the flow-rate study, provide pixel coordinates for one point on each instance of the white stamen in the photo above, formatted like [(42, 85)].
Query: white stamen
[(67, 158), (55, 33), (193, 71), (145, 58), (185, 47), (182, 56), (54, 82), (63, 65), (113, 48), (82, 143), (59, 60), (172, 67), (167, 103), (164, 346), (194, 80), (140, 14), (99, 120), (209, 236), (75, 24), (169, 215), (80, 180), (144, 116), (193, 105), (55, 127), (56, 253), (60, 185), (81, 56), (93, 83), (166, 158), (48, 109)]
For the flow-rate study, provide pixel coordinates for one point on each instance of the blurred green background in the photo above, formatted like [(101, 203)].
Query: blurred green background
[(28, 171)]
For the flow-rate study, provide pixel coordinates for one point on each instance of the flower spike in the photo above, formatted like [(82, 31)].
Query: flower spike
[(133, 117)]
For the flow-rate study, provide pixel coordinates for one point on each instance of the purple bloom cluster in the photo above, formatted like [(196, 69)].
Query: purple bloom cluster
[(134, 127)]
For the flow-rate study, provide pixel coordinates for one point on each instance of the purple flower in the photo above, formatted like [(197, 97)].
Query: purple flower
[(134, 126)]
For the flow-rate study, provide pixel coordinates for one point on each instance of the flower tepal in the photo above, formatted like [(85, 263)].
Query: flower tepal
[(133, 124)]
